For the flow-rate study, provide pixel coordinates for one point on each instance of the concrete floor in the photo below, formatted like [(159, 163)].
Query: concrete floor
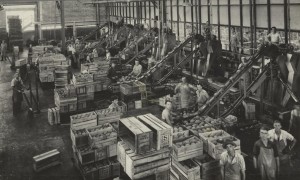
[(22, 138)]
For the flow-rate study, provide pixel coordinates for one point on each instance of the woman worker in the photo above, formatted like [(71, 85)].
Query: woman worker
[(185, 91)]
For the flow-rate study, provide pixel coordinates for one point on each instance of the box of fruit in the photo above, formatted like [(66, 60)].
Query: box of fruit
[(212, 135), (187, 148), (162, 132), (102, 135), (195, 123), (215, 147), (136, 135), (79, 137), (187, 169), (180, 132), (84, 120)]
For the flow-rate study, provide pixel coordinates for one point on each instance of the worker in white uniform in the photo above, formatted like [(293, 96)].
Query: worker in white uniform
[(184, 89), (274, 37), (166, 114), (232, 164), (281, 138), (137, 69)]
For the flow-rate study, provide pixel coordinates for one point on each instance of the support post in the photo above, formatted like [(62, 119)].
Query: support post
[(62, 19)]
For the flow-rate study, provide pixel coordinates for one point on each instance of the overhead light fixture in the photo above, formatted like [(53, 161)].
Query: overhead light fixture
[(187, 3), (1, 7)]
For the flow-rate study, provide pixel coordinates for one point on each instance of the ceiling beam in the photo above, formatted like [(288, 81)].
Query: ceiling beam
[(114, 1), (17, 2)]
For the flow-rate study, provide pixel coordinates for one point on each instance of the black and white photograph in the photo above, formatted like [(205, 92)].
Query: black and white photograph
[(149, 89)]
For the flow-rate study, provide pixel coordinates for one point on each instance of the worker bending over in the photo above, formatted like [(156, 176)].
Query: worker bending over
[(166, 115), (232, 164), (137, 69), (280, 138)]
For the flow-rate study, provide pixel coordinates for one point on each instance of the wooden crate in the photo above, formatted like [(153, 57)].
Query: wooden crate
[(115, 166), (79, 138), (104, 169), (46, 160), (86, 154), (141, 86), (136, 135), (208, 165), (162, 132), (102, 135), (128, 89), (215, 149), (114, 88), (187, 169), (107, 116), (189, 150), (84, 120), (85, 97), (138, 166), (213, 135), (180, 132)]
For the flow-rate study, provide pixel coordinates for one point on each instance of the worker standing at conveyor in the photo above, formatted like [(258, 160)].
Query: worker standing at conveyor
[(166, 114), (274, 37), (137, 69), (185, 90), (232, 164), (265, 156), (17, 96), (280, 138), (202, 96)]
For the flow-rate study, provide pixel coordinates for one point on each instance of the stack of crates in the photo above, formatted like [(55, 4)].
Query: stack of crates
[(144, 152), (65, 99), (15, 31), (94, 147), (85, 90)]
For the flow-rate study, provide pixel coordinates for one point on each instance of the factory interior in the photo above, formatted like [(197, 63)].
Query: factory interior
[(149, 90)]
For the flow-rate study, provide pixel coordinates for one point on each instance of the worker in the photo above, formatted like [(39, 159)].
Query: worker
[(112, 73), (137, 69), (17, 97), (265, 156), (202, 96), (108, 55), (280, 138), (294, 126), (274, 37), (3, 50), (232, 164), (184, 89), (72, 51), (151, 62), (95, 53), (234, 43), (114, 105), (166, 115), (245, 79)]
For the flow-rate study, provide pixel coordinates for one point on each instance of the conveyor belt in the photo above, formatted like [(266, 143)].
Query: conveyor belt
[(253, 87), (148, 47), (159, 63), (232, 81), (190, 56), (101, 40), (93, 32), (289, 90)]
